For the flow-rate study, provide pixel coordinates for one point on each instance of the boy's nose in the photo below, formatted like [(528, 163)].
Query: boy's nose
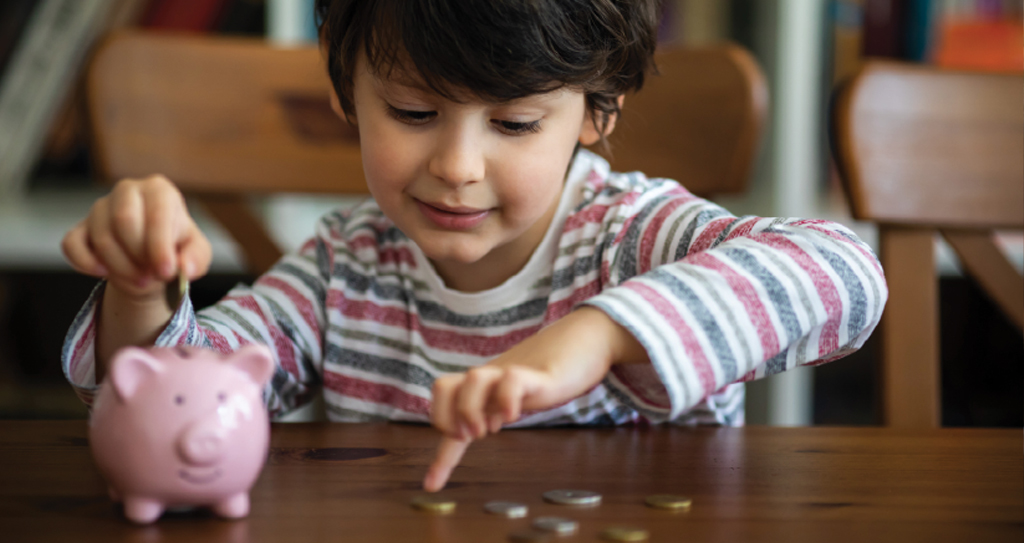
[(458, 158)]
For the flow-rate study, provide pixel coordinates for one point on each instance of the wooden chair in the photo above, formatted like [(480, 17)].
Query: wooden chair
[(923, 151), (227, 117)]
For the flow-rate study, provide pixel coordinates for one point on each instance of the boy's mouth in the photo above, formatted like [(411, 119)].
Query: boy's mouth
[(453, 218)]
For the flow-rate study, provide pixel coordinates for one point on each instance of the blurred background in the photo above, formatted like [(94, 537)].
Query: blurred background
[(804, 47)]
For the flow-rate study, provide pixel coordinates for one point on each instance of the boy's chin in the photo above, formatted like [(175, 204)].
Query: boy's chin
[(462, 254)]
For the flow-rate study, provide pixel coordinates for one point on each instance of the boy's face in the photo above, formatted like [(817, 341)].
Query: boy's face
[(474, 184)]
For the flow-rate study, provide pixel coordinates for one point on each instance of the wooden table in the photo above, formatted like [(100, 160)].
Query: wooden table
[(334, 482)]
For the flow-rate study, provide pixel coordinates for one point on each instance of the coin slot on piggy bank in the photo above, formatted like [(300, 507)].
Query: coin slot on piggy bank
[(182, 427)]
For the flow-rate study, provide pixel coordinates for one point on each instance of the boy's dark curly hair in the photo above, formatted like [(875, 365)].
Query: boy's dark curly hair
[(498, 50)]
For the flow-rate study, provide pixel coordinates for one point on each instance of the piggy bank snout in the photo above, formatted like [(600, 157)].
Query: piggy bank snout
[(203, 442)]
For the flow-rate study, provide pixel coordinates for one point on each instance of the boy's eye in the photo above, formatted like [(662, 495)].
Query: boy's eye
[(411, 116), (513, 128)]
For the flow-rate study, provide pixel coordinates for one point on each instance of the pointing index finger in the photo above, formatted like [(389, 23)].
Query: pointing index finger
[(449, 453)]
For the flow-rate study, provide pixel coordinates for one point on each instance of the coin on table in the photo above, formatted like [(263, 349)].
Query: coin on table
[(572, 497), (558, 525), (529, 536), (434, 504), (507, 509), (621, 533), (669, 501)]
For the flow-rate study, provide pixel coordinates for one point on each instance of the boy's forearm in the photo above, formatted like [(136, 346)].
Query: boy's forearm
[(622, 345), (125, 320)]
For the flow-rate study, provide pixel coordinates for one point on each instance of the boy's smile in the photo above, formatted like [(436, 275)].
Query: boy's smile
[(474, 183)]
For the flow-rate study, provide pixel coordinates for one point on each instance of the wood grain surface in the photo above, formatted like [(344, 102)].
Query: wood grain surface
[(337, 482)]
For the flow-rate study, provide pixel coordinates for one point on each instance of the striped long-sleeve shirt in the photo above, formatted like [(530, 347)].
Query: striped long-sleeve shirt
[(359, 312)]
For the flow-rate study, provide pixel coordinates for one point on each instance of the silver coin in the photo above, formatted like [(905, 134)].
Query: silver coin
[(507, 509), (558, 525), (572, 497)]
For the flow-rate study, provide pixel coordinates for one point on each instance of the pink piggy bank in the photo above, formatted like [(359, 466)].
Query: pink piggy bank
[(182, 426)]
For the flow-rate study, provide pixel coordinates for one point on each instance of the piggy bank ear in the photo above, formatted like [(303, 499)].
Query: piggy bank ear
[(255, 360), (132, 366)]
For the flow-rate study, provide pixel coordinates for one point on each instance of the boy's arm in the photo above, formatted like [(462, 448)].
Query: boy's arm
[(284, 309), (707, 297), (716, 299)]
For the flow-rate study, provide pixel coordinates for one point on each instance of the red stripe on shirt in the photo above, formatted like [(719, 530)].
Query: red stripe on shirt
[(827, 291), (376, 392), (302, 304), (695, 353), (447, 340), (651, 232), (281, 343), (747, 295), (87, 337)]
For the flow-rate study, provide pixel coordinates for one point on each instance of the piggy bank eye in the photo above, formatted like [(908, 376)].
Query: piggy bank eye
[(179, 399), (221, 397)]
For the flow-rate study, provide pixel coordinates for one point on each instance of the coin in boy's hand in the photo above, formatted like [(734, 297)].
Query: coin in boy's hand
[(528, 536), (669, 501), (176, 292), (557, 525), (182, 284), (434, 504), (572, 497), (620, 533), (507, 509)]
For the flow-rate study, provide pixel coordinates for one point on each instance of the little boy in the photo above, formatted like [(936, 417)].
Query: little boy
[(501, 276)]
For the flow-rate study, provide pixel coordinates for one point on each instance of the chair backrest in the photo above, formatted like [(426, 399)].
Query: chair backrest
[(924, 151), (226, 117), (699, 121)]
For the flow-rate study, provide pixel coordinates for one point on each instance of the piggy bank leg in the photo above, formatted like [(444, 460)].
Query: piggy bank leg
[(142, 510), (236, 506)]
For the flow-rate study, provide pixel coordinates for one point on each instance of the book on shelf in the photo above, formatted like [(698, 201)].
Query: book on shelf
[(36, 80), (45, 46)]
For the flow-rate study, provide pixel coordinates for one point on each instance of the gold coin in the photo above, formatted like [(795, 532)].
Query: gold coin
[(182, 284), (669, 501), (434, 504), (620, 533)]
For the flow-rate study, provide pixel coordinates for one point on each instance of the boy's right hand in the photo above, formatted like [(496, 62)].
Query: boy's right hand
[(138, 237)]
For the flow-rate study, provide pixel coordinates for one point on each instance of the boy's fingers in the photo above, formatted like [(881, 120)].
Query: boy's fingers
[(75, 247), (449, 453), (125, 207), (107, 248), (473, 395), (195, 254), (442, 412), (508, 396), (161, 228)]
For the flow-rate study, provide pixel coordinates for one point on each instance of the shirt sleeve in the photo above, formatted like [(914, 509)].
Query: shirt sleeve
[(283, 309), (717, 299)]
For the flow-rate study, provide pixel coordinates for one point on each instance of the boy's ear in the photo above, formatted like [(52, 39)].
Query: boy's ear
[(589, 134), (336, 107)]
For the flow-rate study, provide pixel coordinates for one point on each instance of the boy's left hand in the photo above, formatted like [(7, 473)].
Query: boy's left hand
[(557, 364)]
